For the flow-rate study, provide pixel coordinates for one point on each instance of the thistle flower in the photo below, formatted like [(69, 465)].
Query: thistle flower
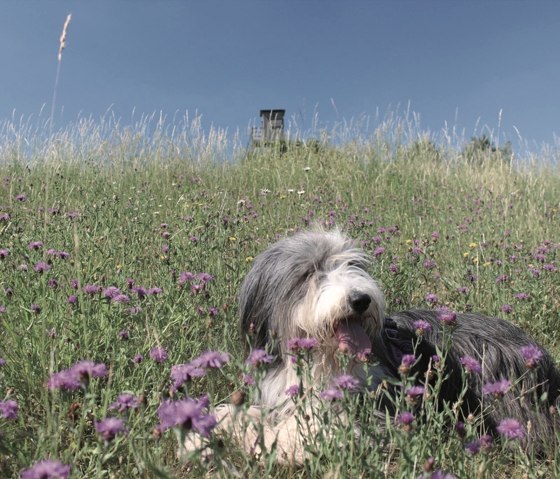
[(511, 429), (532, 355), (496, 389), (296, 345), (421, 327), (432, 298), (331, 394), (9, 409), (109, 427), (258, 357), (41, 267), (292, 391), (158, 354), (189, 414), (76, 376), (346, 382), (124, 402), (471, 365), (447, 318), (47, 469), (407, 362), (405, 419)]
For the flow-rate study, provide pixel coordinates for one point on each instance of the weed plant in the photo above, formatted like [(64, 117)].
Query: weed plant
[(122, 254)]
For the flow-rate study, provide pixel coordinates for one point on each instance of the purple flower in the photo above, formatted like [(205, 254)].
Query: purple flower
[(109, 427), (158, 354), (190, 414), (47, 469), (432, 298), (447, 318), (124, 402), (92, 289), (292, 391), (429, 264), (4, 217), (41, 267), (111, 292), (137, 359), (123, 334), (36, 309), (405, 418), (76, 376), (64, 379), (2, 361), (511, 429), (257, 357), (421, 326), (496, 389), (331, 394), (471, 365), (4, 253), (346, 382), (415, 391), (9, 409), (211, 359), (407, 362), (521, 296), (182, 373), (502, 278), (532, 355), (120, 298), (302, 344), (35, 245), (72, 299), (481, 444), (507, 308), (88, 369), (378, 251)]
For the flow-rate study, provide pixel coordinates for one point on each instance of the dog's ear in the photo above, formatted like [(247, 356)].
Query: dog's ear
[(253, 312)]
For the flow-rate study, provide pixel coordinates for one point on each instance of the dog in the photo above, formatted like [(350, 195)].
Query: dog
[(315, 284)]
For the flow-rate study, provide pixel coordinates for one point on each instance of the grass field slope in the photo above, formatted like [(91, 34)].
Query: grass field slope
[(121, 258)]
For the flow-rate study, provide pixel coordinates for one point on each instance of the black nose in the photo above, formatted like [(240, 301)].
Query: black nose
[(359, 302)]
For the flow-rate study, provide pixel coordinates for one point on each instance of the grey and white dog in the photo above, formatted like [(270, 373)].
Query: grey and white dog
[(315, 284)]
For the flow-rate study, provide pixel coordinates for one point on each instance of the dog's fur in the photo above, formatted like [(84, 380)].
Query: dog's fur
[(315, 284)]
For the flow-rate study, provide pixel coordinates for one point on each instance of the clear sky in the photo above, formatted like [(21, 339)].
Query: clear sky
[(454, 61)]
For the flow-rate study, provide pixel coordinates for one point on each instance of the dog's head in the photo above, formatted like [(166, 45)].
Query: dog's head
[(313, 284)]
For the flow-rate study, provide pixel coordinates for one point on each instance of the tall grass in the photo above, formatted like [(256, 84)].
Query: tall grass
[(101, 205)]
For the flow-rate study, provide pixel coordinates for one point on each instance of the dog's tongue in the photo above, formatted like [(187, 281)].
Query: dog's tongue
[(353, 339)]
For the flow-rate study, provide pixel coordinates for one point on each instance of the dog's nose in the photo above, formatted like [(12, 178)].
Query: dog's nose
[(359, 302)]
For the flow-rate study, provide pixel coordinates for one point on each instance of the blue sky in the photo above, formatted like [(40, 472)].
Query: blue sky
[(460, 62)]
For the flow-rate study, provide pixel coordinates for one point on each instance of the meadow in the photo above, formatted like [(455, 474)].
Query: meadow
[(122, 254)]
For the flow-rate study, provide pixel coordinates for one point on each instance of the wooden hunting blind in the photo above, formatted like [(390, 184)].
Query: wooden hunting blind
[(271, 129)]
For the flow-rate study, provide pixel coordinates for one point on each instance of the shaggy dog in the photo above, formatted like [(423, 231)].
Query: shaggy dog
[(315, 285)]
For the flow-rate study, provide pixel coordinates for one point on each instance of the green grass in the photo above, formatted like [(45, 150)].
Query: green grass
[(150, 210)]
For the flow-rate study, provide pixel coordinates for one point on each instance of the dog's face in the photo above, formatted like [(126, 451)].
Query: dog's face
[(313, 284)]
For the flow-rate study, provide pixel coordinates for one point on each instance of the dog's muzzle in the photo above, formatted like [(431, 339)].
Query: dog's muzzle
[(350, 334)]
